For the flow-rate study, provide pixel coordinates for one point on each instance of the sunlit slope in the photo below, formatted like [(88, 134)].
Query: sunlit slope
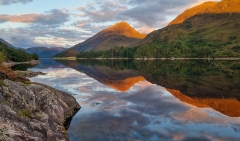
[(206, 35), (120, 34), (225, 6)]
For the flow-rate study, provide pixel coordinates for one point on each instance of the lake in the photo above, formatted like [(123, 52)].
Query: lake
[(127, 100)]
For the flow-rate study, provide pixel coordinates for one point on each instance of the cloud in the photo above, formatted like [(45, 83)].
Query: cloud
[(52, 17), (150, 14), (35, 35), (153, 12), (8, 2), (100, 11)]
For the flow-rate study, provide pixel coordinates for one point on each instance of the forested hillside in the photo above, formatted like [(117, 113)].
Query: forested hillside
[(17, 55)]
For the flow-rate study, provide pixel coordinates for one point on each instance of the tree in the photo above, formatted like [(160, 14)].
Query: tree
[(2, 57)]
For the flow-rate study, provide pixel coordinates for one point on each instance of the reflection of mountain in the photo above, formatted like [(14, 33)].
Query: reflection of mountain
[(121, 80), (124, 85), (49, 63), (200, 83), (229, 106), (194, 78)]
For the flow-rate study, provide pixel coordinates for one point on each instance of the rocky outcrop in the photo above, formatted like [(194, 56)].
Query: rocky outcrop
[(28, 73), (11, 63), (34, 112)]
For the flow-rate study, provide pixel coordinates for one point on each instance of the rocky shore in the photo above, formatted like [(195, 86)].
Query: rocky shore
[(28, 73), (32, 111), (10, 63)]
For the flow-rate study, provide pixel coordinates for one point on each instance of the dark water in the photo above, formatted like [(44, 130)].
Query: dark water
[(22, 67), (149, 100)]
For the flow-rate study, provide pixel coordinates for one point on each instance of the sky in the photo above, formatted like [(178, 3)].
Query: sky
[(65, 23)]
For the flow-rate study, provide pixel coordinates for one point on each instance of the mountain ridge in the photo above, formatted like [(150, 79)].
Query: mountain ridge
[(120, 34), (123, 28), (225, 6)]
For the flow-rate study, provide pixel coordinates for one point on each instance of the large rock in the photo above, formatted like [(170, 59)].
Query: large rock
[(34, 112)]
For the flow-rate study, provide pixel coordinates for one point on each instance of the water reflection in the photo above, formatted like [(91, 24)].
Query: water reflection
[(143, 110)]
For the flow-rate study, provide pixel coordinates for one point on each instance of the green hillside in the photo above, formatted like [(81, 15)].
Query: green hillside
[(17, 55)]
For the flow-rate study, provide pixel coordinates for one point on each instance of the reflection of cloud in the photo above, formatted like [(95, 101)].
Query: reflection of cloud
[(196, 139), (196, 115), (105, 126), (149, 102), (84, 89), (108, 100)]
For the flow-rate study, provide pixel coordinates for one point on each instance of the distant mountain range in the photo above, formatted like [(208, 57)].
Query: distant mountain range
[(44, 52), (120, 34)]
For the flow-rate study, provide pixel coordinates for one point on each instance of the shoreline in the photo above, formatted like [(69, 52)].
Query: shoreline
[(10, 64), (73, 58), (64, 58)]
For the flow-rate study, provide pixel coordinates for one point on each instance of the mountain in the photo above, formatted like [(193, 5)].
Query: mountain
[(212, 31), (120, 34), (5, 42), (44, 52), (225, 6)]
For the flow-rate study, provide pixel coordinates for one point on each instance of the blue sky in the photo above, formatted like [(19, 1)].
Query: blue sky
[(51, 23)]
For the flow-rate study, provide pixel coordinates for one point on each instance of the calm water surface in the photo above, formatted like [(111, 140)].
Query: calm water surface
[(151, 100)]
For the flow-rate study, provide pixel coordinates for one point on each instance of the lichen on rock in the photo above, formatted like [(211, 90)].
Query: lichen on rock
[(34, 112)]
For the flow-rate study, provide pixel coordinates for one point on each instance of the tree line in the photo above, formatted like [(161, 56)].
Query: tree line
[(16, 55)]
